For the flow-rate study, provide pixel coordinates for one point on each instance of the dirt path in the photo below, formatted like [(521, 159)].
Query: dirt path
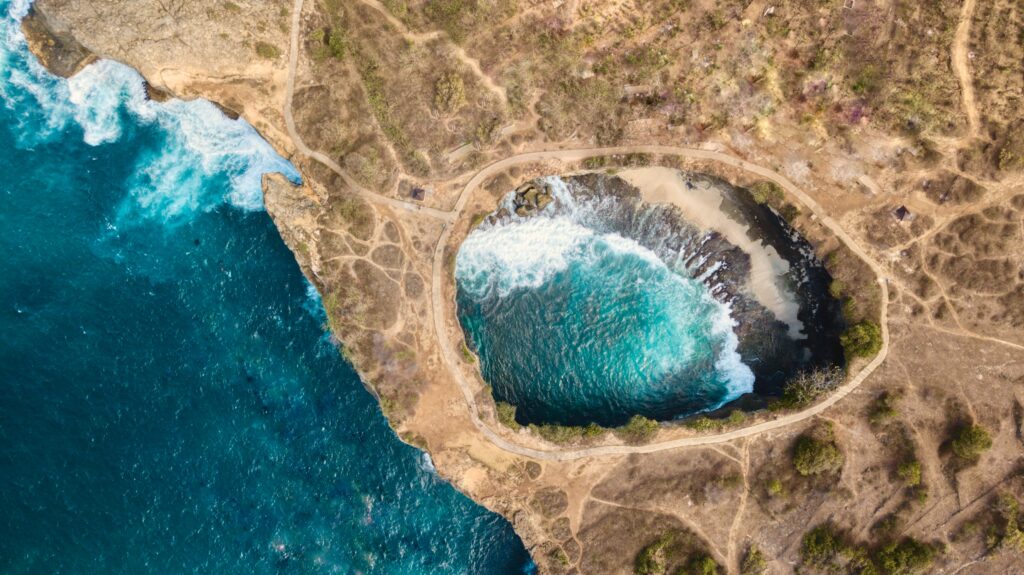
[(962, 67), (421, 37), (441, 309), (302, 148)]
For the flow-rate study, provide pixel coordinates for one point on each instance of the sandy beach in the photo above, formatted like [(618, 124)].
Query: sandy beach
[(701, 204)]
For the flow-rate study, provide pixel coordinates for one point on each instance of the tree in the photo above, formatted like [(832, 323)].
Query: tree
[(910, 473), (905, 557), (807, 386), (863, 339), (449, 93), (638, 429), (812, 456), (970, 442), (820, 545)]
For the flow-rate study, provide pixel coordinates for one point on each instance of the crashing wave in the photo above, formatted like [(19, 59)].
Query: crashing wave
[(195, 133), (577, 234)]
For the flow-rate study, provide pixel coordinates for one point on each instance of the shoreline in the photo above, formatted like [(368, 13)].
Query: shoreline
[(702, 205)]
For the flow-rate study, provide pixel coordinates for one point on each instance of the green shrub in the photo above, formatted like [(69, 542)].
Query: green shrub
[(863, 339), (567, 433), (449, 93), (506, 413), (767, 192), (1009, 514), (970, 442), (268, 51), (638, 429), (910, 473), (813, 456), (467, 354), (754, 563), (651, 560), (883, 409), (775, 487), (820, 546), (337, 44), (905, 557), (701, 565)]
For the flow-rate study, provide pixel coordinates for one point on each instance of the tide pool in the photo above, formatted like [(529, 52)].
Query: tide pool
[(169, 398), (575, 323)]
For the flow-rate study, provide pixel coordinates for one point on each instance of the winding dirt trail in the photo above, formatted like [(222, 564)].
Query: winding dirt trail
[(962, 67), (300, 145), (421, 37), (442, 309)]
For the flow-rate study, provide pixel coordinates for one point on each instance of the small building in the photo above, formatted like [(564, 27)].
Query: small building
[(902, 214), (418, 194)]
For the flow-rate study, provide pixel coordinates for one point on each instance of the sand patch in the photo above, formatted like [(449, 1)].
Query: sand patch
[(701, 203)]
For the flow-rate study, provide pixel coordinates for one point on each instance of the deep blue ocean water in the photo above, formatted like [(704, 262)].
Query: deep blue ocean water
[(575, 323), (169, 399)]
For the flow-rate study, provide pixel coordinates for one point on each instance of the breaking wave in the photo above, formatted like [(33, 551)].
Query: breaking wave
[(575, 322), (106, 98)]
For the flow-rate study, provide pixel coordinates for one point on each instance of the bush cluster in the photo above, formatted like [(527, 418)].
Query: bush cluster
[(817, 453), (826, 549), (970, 442), (863, 339)]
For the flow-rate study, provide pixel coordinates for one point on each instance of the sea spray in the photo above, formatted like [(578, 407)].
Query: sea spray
[(576, 322)]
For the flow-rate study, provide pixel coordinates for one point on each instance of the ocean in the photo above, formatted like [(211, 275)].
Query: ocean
[(170, 400)]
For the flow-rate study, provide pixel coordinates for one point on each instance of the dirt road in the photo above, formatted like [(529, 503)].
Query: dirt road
[(961, 65), (442, 309)]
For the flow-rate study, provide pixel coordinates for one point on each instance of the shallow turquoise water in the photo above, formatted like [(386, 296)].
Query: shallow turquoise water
[(169, 401), (575, 323)]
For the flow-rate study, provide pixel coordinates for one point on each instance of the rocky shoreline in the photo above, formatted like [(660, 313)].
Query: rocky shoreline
[(765, 343)]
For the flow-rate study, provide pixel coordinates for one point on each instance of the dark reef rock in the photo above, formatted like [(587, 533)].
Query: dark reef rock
[(765, 344)]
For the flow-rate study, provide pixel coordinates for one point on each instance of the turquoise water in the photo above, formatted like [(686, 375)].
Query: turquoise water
[(575, 323), (169, 401)]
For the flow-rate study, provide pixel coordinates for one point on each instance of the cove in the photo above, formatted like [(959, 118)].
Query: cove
[(587, 304), (169, 399)]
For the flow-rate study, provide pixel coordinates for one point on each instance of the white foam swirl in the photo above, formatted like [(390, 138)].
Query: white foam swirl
[(200, 142)]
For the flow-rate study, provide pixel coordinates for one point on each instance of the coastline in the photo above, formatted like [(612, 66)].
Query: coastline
[(702, 206)]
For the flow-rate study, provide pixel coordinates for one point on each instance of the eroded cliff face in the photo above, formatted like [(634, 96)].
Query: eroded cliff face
[(387, 96)]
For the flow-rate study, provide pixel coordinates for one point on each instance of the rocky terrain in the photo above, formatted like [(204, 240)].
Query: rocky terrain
[(892, 128)]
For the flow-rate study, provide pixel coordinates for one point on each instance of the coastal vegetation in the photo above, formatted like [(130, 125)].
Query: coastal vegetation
[(808, 386), (827, 549), (674, 554), (267, 50), (754, 562), (816, 452), (863, 339), (970, 441), (638, 429)]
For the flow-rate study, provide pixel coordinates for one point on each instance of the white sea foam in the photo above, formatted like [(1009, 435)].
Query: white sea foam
[(200, 142), (526, 252)]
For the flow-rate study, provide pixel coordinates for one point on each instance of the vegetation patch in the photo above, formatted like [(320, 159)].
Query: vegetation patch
[(638, 429), (817, 453), (863, 339), (506, 413), (828, 550), (970, 441), (674, 554), (267, 50), (808, 386)]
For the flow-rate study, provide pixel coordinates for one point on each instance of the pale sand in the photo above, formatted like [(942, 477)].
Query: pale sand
[(702, 207)]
